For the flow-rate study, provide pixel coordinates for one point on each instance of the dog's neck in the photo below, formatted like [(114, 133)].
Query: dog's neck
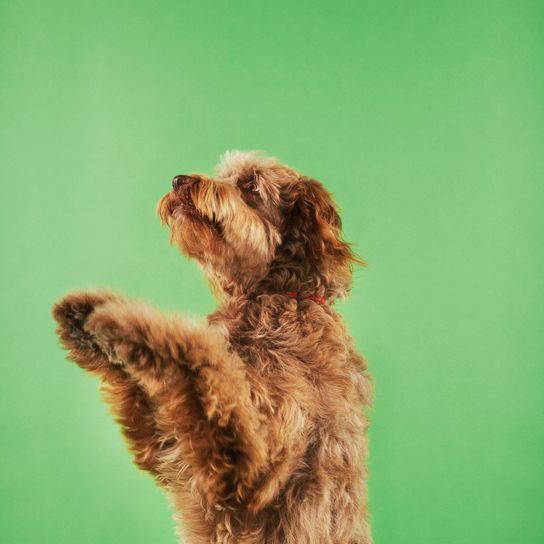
[(229, 292), (317, 298), (239, 309), (264, 295)]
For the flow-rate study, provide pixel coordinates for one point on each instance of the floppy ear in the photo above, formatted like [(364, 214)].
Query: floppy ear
[(315, 216)]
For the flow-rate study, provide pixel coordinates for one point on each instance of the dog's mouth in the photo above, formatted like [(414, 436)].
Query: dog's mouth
[(178, 203), (187, 206)]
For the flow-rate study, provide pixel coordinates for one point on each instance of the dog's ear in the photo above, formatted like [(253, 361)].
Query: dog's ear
[(314, 216)]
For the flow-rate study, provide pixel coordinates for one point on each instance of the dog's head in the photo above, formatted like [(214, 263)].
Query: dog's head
[(259, 226)]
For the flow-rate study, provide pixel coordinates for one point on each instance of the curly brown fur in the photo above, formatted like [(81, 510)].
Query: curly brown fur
[(253, 422)]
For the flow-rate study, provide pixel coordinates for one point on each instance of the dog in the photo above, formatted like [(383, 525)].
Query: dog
[(254, 421)]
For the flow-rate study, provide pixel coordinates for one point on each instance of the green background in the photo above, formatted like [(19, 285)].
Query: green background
[(426, 121)]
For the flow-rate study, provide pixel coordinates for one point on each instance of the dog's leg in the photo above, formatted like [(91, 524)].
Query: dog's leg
[(130, 404), (200, 392)]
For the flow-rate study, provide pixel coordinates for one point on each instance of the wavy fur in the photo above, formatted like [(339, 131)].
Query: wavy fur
[(252, 421)]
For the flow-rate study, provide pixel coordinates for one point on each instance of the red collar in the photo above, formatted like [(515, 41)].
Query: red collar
[(316, 298)]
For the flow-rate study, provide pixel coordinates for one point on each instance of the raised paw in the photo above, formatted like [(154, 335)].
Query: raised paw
[(104, 329), (130, 333), (71, 313)]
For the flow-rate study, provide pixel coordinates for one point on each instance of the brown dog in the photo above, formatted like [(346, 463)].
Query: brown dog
[(253, 422)]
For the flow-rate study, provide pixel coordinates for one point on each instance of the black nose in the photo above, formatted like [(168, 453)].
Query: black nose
[(178, 181)]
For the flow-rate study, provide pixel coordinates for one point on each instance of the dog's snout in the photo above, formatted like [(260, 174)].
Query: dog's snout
[(180, 180)]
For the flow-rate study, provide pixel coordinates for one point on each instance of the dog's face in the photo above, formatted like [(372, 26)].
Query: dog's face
[(259, 226)]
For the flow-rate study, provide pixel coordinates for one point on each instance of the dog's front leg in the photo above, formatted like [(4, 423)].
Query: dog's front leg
[(127, 399), (200, 392)]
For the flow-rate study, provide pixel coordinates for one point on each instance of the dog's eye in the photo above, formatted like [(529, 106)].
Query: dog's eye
[(248, 185)]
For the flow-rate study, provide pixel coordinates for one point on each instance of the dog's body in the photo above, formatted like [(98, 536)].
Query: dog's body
[(254, 421)]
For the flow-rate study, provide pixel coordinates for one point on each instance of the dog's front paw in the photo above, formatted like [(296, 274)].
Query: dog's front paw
[(126, 331), (105, 330), (71, 313)]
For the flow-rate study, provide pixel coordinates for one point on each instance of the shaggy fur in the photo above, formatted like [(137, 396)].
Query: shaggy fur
[(253, 422)]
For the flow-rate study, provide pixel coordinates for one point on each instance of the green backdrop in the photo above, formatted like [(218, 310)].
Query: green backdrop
[(426, 121)]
